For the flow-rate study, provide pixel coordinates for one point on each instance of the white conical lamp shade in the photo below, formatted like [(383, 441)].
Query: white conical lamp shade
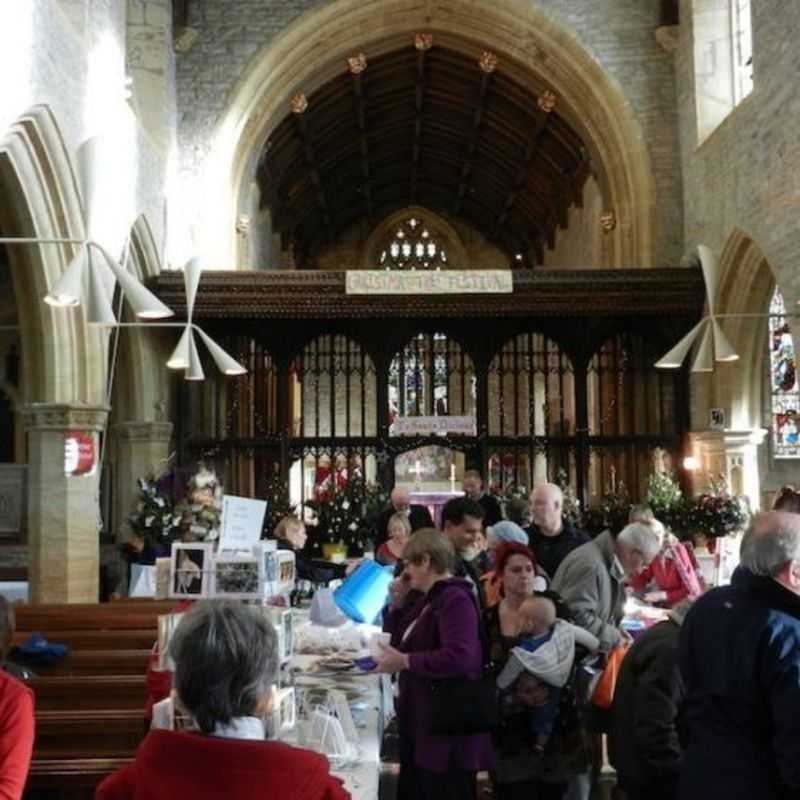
[(143, 302), (708, 262), (68, 288), (225, 364), (89, 161), (195, 371), (723, 349), (98, 309), (180, 355), (191, 279), (704, 361), (674, 358)]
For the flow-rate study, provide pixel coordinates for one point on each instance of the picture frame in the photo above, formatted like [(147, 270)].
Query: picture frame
[(190, 570), (237, 577)]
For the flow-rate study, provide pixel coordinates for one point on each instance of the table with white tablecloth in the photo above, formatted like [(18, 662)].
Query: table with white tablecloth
[(370, 700)]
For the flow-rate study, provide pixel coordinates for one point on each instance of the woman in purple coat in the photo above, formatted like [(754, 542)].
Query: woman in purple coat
[(436, 639)]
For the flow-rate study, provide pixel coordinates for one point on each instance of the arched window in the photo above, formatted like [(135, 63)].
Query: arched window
[(412, 246), (784, 389), (431, 376)]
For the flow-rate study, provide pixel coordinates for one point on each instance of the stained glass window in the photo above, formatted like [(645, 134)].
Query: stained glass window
[(784, 389), (412, 246)]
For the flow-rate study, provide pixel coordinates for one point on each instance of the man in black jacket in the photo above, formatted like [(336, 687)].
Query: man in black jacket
[(461, 524), (740, 662), (473, 489), (400, 503), (551, 536), (643, 743)]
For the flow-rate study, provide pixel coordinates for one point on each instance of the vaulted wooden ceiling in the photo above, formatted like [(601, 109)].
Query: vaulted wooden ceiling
[(423, 125)]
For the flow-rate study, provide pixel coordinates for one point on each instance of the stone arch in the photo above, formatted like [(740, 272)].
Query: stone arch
[(313, 49), (39, 198), (439, 226), (746, 281), (140, 382)]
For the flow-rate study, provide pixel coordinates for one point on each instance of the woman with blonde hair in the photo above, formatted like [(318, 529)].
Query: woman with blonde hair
[(398, 529)]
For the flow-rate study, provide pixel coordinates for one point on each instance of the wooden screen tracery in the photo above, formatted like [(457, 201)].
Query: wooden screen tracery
[(531, 413), (333, 390), (325, 410), (632, 409)]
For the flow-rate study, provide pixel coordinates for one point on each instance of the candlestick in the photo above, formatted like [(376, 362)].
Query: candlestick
[(613, 479)]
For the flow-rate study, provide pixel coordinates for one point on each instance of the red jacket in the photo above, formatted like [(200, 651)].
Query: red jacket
[(180, 764), (16, 735), (666, 574)]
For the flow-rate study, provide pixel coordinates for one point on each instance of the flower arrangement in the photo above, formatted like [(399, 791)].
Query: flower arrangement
[(716, 512), (201, 511), (665, 497), (611, 514), (154, 519)]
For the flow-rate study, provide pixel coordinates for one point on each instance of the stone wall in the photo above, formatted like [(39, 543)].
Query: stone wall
[(746, 174), (618, 34), (744, 178)]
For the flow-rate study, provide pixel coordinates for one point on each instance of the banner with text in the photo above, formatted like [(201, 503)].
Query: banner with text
[(468, 281), (423, 426)]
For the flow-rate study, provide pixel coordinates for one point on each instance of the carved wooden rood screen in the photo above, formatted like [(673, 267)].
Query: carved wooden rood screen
[(558, 376)]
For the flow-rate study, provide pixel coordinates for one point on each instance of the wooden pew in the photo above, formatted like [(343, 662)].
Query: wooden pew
[(87, 692), (112, 732), (89, 706), (99, 662)]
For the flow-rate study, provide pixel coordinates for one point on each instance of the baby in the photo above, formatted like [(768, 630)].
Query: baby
[(544, 655)]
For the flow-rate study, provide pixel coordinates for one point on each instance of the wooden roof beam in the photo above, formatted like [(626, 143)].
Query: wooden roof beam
[(357, 64), (487, 64), (422, 43), (299, 105), (546, 104)]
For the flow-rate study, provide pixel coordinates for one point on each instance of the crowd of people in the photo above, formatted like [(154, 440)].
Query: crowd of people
[(701, 702), (496, 651)]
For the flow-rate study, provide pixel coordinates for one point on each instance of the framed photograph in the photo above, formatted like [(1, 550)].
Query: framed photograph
[(716, 419), (282, 621), (238, 577), (190, 570)]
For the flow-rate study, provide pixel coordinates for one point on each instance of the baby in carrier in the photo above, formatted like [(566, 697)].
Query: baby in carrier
[(544, 656)]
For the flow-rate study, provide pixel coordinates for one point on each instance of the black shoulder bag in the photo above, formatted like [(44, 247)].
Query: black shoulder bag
[(460, 706)]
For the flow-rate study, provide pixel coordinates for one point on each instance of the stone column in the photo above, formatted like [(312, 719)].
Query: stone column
[(63, 511), (733, 454), (141, 448)]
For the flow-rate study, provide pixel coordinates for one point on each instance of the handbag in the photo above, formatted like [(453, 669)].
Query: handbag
[(603, 694), (464, 706)]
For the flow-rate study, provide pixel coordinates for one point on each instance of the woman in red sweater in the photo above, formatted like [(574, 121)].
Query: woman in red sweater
[(16, 717), (673, 575), (226, 662)]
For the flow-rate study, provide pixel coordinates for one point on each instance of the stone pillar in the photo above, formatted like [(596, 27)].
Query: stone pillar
[(733, 454), (141, 448), (63, 511)]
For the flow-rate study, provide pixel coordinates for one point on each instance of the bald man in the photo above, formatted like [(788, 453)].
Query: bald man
[(739, 656), (551, 537), (400, 502)]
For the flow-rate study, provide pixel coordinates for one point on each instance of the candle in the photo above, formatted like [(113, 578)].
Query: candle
[(452, 472), (613, 479)]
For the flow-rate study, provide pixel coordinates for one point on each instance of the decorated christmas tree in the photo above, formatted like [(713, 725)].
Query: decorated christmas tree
[(276, 493)]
